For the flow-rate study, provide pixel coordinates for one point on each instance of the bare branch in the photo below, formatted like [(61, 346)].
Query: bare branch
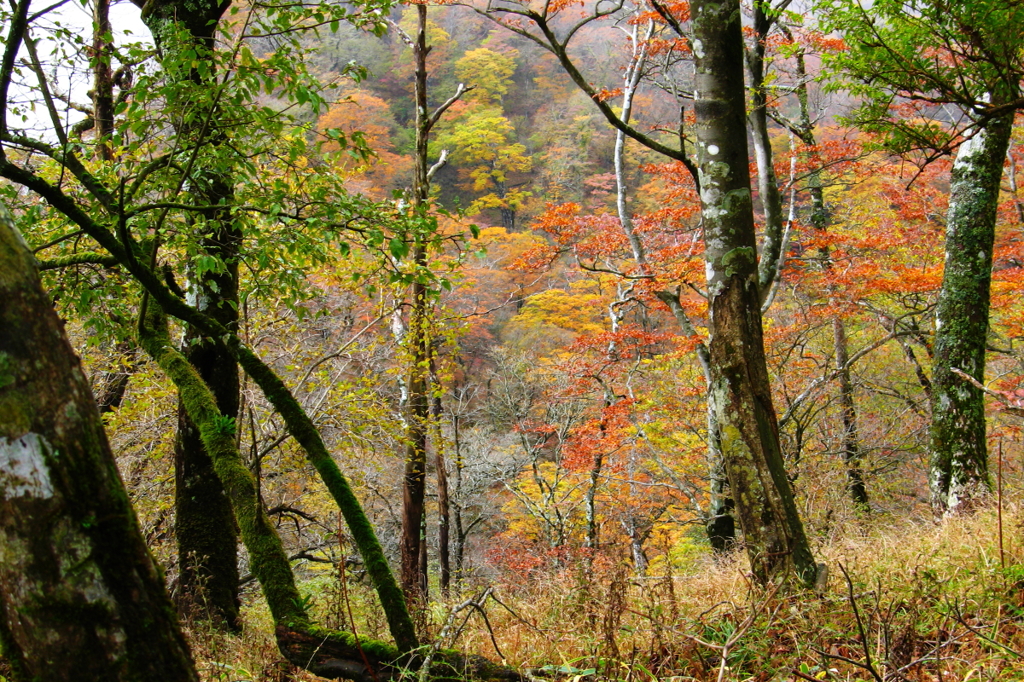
[(1015, 408)]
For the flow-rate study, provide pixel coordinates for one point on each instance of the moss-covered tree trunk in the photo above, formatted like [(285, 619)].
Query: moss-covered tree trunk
[(204, 526), (80, 595), (959, 457), (767, 513)]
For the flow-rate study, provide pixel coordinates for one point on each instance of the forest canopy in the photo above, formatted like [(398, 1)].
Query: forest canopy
[(511, 339)]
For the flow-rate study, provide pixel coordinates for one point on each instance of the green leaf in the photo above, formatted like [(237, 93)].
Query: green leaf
[(398, 248)]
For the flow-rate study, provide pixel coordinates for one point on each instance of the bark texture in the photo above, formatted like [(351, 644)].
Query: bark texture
[(80, 596), (959, 457), (772, 530)]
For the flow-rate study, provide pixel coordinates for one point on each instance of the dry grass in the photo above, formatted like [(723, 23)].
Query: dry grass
[(933, 602)]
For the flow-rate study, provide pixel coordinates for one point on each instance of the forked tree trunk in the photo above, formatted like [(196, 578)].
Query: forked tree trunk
[(959, 465), (80, 595), (767, 513)]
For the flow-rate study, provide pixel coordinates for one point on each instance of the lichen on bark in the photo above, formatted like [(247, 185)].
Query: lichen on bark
[(959, 455), (80, 595)]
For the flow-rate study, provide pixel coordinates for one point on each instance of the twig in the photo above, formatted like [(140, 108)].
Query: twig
[(960, 619), (867, 664), (1014, 409), (517, 616), (441, 636), (739, 632), (483, 614)]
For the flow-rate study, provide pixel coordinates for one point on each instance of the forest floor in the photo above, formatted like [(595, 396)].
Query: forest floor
[(907, 599)]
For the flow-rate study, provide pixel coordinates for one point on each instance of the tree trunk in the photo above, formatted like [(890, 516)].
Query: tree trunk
[(415, 479), (848, 419), (636, 546), (204, 524), (772, 258), (459, 546), (591, 540), (772, 530), (443, 504), (115, 382), (508, 218), (80, 595), (959, 457), (720, 523), (103, 78)]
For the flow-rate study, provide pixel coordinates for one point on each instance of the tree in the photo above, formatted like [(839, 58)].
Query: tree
[(772, 530), (803, 129), (204, 526), (556, 41), (80, 595), (487, 72), (739, 384), (482, 143), (972, 63), (418, 339), (88, 204)]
